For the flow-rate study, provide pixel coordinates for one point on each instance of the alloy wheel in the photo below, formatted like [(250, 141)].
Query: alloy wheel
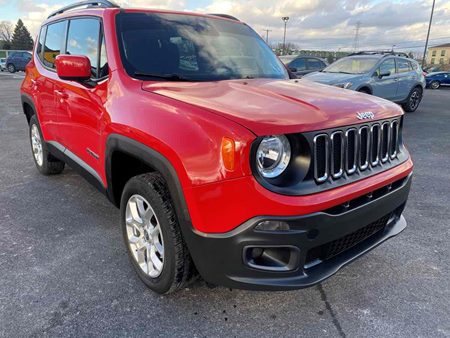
[(415, 99), (36, 145), (144, 236)]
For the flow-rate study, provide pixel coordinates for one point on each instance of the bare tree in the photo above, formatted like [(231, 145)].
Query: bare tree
[(6, 31)]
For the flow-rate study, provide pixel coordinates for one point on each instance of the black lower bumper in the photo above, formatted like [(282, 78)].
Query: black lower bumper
[(313, 248)]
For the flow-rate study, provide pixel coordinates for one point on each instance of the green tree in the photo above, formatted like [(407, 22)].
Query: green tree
[(21, 38)]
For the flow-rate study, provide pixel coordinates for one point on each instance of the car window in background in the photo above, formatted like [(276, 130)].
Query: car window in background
[(387, 66), (403, 66), (299, 64), (193, 48), (352, 65), (315, 64), (54, 42), (82, 39)]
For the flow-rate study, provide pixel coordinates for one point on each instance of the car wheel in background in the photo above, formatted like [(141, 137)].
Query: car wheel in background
[(153, 236), (45, 162), (413, 101), (11, 68), (435, 85), (365, 91)]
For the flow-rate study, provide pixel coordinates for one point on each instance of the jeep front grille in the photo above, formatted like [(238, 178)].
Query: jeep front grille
[(355, 149)]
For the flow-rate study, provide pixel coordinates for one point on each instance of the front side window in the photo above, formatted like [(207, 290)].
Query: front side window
[(185, 47), (352, 65), (387, 66), (54, 43), (83, 39), (299, 64), (315, 64)]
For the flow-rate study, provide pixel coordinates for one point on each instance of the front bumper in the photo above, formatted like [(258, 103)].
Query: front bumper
[(316, 246)]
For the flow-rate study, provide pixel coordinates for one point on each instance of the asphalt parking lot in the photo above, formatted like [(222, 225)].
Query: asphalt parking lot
[(64, 269)]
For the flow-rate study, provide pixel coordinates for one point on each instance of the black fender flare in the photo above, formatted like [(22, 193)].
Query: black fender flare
[(153, 159), (25, 98)]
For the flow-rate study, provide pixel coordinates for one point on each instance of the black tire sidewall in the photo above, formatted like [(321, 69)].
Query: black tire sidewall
[(165, 280)]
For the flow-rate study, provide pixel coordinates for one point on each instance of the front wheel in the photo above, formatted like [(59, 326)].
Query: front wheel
[(413, 101), (11, 68), (153, 236), (435, 85), (45, 162)]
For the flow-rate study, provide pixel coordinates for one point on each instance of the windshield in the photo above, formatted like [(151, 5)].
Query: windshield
[(192, 48), (352, 65)]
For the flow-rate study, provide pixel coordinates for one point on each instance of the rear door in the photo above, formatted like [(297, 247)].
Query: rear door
[(81, 110), (386, 86), (407, 78), (446, 79)]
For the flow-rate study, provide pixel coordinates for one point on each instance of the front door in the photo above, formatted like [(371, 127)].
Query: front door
[(81, 104), (386, 86)]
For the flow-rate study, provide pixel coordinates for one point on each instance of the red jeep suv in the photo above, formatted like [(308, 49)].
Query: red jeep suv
[(221, 163)]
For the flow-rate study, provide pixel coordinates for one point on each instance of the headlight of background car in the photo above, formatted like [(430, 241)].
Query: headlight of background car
[(344, 85), (273, 156)]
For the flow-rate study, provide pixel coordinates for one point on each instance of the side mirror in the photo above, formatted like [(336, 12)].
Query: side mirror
[(73, 67), (293, 69), (385, 74)]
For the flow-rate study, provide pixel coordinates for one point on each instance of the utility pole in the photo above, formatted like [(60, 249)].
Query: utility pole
[(356, 41), (428, 36), (285, 19), (267, 34)]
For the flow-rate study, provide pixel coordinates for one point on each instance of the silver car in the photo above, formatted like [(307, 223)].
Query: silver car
[(2, 64), (388, 75)]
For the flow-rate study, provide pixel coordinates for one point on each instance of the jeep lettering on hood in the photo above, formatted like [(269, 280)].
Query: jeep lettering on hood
[(269, 107)]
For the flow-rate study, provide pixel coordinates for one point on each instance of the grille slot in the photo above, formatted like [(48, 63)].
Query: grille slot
[(356, 149), (385, 137), (337, 151), (364, 145), (375, 142), (321, 158)]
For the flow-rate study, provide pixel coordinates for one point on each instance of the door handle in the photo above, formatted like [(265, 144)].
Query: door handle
[(61, 94)]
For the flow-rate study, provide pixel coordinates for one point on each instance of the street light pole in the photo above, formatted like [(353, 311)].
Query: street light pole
[(285, 19), (428, 35)]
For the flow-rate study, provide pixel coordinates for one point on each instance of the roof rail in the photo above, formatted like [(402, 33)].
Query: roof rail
[(382, 52), (226, 16), (88, 3)]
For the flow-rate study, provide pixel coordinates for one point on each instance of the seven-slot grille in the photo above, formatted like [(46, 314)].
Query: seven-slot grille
[(354, 149)]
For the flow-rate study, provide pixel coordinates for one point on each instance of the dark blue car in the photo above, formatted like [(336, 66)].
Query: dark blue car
[(17, 61), (435, 80)]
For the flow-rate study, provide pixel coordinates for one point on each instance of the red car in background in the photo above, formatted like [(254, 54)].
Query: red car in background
[(219, 162)]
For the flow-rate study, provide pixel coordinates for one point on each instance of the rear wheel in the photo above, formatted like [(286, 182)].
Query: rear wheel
[(11, 68), (413, 101), (153, 236), (45, 162), (435, 85)]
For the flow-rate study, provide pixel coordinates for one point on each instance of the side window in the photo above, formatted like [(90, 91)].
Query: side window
[(403, 66), (54, 43), (103, 68), (315, 64), (83, 39), (387, 66), (300, 64), (414, 65)]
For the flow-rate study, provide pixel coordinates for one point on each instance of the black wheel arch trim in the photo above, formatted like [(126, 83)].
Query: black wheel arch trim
[(26, 98), (154, 160)]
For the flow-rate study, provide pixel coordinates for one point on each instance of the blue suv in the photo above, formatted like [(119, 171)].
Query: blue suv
[(388, 75), (17, 61)]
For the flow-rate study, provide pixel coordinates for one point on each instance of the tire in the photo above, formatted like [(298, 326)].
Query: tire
[(149, 222), (11, 68), (435, 85), (365, 91), (413, 100), (45, 162)]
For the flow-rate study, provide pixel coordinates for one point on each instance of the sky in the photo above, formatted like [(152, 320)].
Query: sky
[(313, 24)]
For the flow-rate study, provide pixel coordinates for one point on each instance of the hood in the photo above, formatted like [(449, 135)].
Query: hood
[(331, 78), (269, 107)]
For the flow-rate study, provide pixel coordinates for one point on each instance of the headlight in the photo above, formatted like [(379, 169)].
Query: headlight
[(344, 85), (273, 156)]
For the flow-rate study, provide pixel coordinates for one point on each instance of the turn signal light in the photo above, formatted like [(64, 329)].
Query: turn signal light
[(228, 153)]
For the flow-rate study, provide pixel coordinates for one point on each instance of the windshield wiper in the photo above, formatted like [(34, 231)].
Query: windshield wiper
[(169, 77)]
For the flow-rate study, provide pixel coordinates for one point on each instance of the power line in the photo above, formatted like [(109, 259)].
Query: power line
[(267, 31)]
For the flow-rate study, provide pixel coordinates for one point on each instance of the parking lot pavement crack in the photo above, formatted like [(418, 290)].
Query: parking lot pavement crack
[(334, 318)]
